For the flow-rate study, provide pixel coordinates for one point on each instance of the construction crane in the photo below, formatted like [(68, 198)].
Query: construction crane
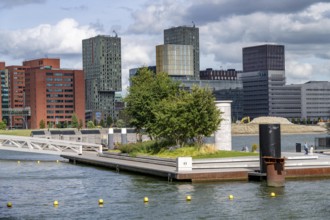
[(245, 119)]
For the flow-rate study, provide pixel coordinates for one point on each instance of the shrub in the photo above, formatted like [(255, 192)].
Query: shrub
[(254, 147)]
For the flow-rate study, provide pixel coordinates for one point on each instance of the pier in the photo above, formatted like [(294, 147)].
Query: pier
[(297, 165)]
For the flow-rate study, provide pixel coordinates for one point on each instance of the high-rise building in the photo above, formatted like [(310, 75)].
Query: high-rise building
[(263, 77), (3, 89), (176, 60), (53, 94), (102, 70), (184, 35)]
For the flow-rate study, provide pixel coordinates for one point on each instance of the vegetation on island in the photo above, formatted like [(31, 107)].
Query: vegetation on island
[(157, 104)]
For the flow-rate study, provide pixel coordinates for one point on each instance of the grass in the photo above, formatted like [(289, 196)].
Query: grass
[(152, 148), (19, 132)]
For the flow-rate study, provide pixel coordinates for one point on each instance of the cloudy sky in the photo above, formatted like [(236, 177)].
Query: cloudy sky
[(54, 28)]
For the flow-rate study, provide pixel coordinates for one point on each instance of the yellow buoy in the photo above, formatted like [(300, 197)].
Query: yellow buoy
[(55, 203), (9, 204), (272, 194), (145, 199), (57, 161), (38, 161), (100, 201), (188, 198), (231, 197), (18, 162)]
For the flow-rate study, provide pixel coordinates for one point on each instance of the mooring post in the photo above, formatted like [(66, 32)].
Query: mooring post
[(80, 150)]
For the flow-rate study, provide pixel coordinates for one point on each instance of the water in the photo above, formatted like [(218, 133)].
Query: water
[(33, 187), (288, 141)]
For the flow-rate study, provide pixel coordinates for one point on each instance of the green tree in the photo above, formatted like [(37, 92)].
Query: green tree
[(109, 121), (65, 124), (146, 92), (187, 116), (42, 124), (304, 121), (3, 125), (120, 123), (102, 123), (308, 121), (81, 124), (90, 124), (74, 121), (95, 122)]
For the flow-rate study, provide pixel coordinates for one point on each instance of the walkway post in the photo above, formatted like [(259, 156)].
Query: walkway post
[(123, 136), (110, 139)]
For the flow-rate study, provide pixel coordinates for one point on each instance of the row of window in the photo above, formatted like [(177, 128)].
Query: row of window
[(59, 90), (59, 74), (59, 106), (59, 85), (60, 112)]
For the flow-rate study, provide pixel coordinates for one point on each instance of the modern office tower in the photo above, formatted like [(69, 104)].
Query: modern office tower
[(263, 76), (176, 60), (17, 113), (184, 35), (102, 70), (53, 94)]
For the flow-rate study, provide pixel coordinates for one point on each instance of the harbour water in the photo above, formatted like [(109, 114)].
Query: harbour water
[(32, 187)]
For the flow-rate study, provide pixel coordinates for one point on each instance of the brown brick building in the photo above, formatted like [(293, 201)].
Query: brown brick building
[(53, 94), (17, 94)]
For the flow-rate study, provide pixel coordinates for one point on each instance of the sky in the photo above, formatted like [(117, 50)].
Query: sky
[(31, 29)]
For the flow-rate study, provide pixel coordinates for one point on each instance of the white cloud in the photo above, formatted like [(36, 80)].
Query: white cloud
[(65, 37)]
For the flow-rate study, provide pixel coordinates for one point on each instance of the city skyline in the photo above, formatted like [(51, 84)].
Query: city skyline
[(33, 29)]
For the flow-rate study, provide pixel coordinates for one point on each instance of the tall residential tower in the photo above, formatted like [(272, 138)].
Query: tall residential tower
[(102, 69)]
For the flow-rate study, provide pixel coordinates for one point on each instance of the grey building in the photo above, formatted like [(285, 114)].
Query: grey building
[(263, 76), (184, 35), (315, 101), (226, 88), (102, 70)]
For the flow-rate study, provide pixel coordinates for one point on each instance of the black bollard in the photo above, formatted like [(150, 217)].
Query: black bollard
[(269, 142)]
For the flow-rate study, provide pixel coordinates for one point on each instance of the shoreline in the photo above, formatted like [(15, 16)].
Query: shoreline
[(295, 133)]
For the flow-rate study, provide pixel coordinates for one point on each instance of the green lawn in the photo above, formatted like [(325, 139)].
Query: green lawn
[(19, 132)]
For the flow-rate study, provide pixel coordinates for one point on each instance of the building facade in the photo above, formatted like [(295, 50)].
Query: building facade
[(53, 94), (225, 89), (17, 96), (184, 35), (175, 60), (315, 101), (263, 76), (102, 70)]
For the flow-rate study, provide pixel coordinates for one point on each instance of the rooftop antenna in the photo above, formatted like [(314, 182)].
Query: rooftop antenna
[(116, 35), (193, 23)]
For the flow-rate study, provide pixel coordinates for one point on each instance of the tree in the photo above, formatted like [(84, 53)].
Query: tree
[(90, 124), (3, 125), (42, 124), (147, 90), (187, 116), (109, 121), (74, 121), (81, 124), (120, 123), (102, 123), (65, 124)]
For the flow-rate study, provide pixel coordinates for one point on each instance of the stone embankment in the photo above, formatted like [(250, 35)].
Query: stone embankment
[(286, 126)]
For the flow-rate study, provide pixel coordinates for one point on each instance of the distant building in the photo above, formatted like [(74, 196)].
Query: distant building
[(176, 60), (315, 101), (53, 94), (4, 91), (225, 86), (17, 96), (263, 76), (184, 35), (102, 69)]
